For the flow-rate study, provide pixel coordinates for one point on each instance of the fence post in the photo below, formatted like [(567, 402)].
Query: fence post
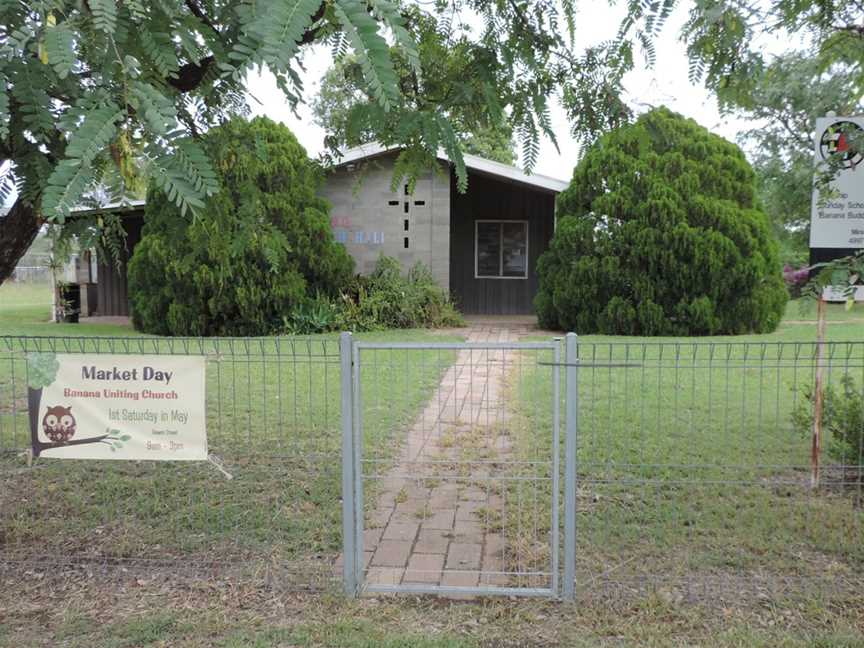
[(571, 412), (349, 569)]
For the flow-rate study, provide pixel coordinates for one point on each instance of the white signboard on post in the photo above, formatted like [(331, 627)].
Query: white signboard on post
[(139, 407), (838, 220)]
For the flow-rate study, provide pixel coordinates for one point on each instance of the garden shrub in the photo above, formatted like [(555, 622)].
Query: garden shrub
[(260, 249), (842, 419), (388, 299), (659, 233)]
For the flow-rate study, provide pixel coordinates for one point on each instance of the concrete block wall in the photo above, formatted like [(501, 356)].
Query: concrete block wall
[(370, 219)]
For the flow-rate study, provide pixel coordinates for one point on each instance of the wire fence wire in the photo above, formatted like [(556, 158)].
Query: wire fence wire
[(273, 420), (693, 468), (450, 504)]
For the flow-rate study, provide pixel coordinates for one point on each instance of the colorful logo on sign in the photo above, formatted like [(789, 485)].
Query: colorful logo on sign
[(843, 141)]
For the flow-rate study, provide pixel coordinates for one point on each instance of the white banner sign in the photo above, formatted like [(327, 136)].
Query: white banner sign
[(142, 407), (839, 221)]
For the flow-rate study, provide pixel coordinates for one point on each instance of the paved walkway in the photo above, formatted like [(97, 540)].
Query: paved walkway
[(436, 508)]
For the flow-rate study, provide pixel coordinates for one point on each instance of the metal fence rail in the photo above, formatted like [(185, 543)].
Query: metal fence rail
[(686, 469), (447, 504), (696, 469), (273, 421)]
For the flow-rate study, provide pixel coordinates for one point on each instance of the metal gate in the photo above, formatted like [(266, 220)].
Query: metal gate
[(462, 497)]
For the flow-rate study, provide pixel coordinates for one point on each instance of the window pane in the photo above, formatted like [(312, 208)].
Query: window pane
[(515, 249), (488, 249)]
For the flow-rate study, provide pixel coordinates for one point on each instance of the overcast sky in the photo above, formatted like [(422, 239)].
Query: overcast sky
[(665, 84)]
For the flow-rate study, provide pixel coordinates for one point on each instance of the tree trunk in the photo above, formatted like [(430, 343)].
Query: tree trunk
[(18, 230)]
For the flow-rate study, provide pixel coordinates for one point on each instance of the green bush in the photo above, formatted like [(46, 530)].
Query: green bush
[(260, 249), (659, 233), (842, 419), (388, 299)]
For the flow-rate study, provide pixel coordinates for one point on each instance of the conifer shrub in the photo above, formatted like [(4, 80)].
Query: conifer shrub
[(660, 233), (261, 248)]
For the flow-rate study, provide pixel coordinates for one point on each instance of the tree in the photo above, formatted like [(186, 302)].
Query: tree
[(789, 94), (341, 105), (261, 246), (725, 39), (659, 233), (85, 87)]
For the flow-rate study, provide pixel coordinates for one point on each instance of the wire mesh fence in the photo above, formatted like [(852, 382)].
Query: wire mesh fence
[(272, 417), (449, 504), (695, 468)]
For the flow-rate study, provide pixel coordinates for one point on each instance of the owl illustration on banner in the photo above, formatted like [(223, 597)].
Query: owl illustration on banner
[(58, 424)]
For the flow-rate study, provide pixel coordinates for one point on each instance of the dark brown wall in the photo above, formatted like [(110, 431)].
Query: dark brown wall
[(492, 199), (113, 297)]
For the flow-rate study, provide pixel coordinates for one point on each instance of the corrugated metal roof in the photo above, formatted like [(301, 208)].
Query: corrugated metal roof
[(475, 162), (123, 205)]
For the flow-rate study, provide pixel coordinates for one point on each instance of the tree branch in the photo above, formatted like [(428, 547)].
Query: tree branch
[(196, 10), (857, 30)]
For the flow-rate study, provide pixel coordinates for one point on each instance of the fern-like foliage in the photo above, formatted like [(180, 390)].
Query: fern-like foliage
[(183, 172), (370, 48), (389, 14), (73, 175), (153, 107), (159, 49), (104, 15), (60, 49)]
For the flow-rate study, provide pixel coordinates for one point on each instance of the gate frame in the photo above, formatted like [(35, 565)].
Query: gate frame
[(352, 476)]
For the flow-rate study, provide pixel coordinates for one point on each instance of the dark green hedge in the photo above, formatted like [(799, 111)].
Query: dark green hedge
[(261, 248), (659, 233)]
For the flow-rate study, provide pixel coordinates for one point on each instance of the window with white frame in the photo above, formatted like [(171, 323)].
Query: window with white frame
[(501, 249)]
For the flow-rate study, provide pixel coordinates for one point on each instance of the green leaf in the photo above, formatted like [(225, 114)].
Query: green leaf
[(73, 175), (160, 50), (371, 50), (41, 369), (153, 107), (273, 35), (104, 15), (60, 49)]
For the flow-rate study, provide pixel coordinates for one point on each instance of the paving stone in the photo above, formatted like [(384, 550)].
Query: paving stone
[(463, 529), (494, 545), (403, 531), (424, 568), (472, 494), (440, 519), (371, 537), (391, 553), (407, 512), (384, 575), (467, 511), (430, 541), (441, 499), (379, 518), (464, 555), (460, 579)]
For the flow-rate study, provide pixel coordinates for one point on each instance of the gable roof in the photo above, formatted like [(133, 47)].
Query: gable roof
[(473, 162)]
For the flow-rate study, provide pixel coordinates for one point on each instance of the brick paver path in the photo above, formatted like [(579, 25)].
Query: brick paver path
[(431, 521)]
